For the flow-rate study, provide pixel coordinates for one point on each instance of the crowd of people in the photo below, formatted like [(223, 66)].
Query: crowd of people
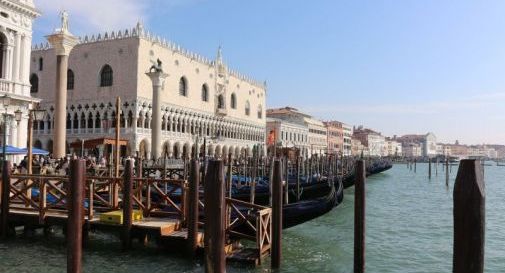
[(45, 164)]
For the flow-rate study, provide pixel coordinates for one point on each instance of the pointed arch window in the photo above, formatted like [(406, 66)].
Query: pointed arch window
[(220, 102), (70, 79), (106, 76), (233, 101), (34, 81), (205, 93), (183, 87), (41, 64), (247, 108), (260, 112)]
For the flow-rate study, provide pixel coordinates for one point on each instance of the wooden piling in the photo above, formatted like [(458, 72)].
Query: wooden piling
[(469, 218), (194, 182), (6, 183), (359, 217), (214, 195), (75, 215), (229, 174), (276, 253), (447, 171), (297, 178), (429, 168), (415, 165), (127, 204), (286, 184)]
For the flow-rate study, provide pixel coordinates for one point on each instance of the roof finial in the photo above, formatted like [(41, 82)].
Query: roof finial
[(219, 57), (140, 28)]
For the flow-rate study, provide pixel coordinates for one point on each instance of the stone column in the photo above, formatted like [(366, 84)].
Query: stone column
[(13, 133), (62, 42), (16, 58), (157, 77)]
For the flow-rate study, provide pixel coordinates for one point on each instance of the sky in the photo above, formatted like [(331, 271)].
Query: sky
[(399, 67)]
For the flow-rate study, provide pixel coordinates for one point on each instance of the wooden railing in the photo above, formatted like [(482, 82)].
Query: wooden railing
[(247, 219), (155, 197), (52, 187), (168, 199)]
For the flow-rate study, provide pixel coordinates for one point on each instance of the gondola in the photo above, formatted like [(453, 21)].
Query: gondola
[(375, 168), (311, 189), (303, 211)]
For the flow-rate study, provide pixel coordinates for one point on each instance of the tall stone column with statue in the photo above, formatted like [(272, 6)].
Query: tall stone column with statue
[(63, 42), (157, 77)]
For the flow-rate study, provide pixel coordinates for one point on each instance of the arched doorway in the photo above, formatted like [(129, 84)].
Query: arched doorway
[(177, 150), (165, 149), (37, 144), (143, 146), (50, 146)]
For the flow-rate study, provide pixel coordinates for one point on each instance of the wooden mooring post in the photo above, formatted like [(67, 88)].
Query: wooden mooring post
[(469, 218), (359, 217), (276, 253), (429, 168), (297, 178), (447, 171), (215, 206), (127, 204), (6, 183), (415, 165), (194, 182), (75, 215), (286, 184)]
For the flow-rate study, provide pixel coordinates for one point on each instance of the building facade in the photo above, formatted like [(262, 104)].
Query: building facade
[(428, 143), (371, 139), (393, 148), (317, 140), (289, 134), (347, 131), (16, 19), (335, 137), (200, 98), (412, 149)]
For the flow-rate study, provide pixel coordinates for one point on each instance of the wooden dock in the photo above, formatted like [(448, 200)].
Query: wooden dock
[(38, 201)]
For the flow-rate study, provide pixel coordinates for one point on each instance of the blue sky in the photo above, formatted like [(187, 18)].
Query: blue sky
[(404, 66)]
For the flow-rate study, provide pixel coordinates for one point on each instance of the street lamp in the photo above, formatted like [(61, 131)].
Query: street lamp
[(36, 115), (6, 101)]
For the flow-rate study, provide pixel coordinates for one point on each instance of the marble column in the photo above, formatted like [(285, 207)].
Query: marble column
[(63, 42), (157, 77)]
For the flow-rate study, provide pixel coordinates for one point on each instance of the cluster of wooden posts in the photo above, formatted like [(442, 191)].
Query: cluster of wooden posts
[(468, 213), (78, 201), (446, 167)]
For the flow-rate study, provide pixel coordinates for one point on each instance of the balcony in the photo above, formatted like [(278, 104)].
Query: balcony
[(6, 86)]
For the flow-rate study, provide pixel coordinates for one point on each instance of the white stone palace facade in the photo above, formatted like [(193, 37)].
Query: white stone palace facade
[(16, 18), (289, 134), (199, 97)]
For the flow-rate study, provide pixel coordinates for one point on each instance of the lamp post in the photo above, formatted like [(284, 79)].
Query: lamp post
[(36, 115), (6, 100)]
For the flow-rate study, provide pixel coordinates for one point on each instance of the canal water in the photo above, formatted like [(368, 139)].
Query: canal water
[(408, 229)]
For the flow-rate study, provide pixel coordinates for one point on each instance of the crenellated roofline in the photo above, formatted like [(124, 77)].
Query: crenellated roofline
[(139, 32)]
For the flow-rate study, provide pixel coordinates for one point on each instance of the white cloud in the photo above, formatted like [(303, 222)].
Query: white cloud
[(94, 15)]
